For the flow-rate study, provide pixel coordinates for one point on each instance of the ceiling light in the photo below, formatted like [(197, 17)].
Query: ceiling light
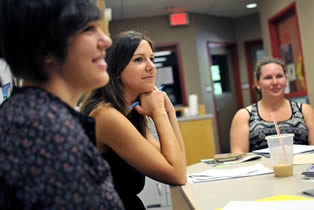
[(162, 53), (251, 5)]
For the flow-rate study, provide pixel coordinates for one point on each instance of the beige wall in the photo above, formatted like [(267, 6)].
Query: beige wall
[(210, 28), (246, 29), (305, 8)]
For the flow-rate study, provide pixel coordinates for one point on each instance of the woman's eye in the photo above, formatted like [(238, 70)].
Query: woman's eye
[(88, 28), (139, 59), (152, 59)]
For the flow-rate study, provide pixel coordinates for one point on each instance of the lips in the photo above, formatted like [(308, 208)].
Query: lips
[(100, 61), (275, 89), (148, 77)]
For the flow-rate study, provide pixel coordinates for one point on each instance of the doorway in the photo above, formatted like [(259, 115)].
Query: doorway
[(226, 88), (170, 72)]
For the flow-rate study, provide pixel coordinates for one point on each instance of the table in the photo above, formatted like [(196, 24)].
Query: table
[(216, 194)]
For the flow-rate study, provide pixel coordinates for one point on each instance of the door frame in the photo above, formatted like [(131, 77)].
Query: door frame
[(237, 82), (250, 66), (274, 40), (176, 46)]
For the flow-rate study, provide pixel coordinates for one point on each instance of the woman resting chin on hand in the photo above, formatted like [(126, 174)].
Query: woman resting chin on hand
[(122, 134)]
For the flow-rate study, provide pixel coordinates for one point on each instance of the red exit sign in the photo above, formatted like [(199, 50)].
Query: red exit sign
[(179, 19)]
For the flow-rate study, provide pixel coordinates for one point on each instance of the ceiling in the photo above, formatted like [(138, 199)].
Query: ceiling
[(125, 9)]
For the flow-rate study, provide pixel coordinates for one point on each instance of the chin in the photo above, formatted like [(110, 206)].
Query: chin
[(101, 83)]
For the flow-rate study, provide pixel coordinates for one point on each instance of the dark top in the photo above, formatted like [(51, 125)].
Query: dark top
[(260, 128), (127, 181), (48, 159)]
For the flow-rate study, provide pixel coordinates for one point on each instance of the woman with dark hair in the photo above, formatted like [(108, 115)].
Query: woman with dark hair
[(48, 159), (122, 133), (250, 125)]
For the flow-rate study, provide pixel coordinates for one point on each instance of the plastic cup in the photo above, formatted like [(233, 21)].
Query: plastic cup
[(282, 158)]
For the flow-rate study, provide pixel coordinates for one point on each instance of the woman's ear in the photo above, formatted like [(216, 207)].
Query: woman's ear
[(256, 82), (49, 60)]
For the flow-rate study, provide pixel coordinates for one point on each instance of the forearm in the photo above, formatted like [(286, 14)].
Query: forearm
[(169, 144), (175, 126)]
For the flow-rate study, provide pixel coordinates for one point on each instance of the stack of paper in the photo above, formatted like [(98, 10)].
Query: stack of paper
[(297, 149), (220, 174)]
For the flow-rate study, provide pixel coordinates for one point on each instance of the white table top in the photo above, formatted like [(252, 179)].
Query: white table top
[(216, 194)]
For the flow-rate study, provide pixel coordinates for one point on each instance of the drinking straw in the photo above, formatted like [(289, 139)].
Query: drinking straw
[(278, 133)]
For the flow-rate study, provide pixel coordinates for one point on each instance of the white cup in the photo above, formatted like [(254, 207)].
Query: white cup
[(281, 154)]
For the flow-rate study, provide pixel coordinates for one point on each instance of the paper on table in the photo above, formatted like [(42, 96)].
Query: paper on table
[(297, 149), (220, 174), (270, 205), (303, 159)]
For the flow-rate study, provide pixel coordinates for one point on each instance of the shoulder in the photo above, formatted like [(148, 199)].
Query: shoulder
[(244, 112), (307, 110), (307, 107), (242, 115), (106, 111), (108, 116), (40, 116)]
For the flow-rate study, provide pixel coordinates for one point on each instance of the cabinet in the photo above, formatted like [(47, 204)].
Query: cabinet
[(156, 195), (198, 136)]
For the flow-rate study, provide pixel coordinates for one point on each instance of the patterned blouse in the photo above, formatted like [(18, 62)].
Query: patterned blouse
[(260, 128), (48, 159)]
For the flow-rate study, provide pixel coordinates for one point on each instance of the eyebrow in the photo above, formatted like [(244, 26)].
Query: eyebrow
[(142, 54)]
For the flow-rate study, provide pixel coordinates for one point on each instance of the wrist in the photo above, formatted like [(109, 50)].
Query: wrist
[(159, 113)]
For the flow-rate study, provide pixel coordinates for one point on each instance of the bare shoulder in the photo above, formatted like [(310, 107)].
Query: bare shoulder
[(242, 114), (307, 110), (109, 115)]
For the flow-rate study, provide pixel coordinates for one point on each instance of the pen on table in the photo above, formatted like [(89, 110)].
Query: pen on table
[(138, 102)]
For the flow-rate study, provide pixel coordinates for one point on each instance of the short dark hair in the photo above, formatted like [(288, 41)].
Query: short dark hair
[(118, 57), (34, 29)]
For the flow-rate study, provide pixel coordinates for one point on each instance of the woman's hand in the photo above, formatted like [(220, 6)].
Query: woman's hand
[(152, 103), (168, 104)]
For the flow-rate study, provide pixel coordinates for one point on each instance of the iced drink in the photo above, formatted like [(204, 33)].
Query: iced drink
[(281, 154), (283, 170)]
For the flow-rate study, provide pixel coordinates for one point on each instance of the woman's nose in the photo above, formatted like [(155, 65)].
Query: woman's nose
[(150, 65), (274, 80), (104, 40)]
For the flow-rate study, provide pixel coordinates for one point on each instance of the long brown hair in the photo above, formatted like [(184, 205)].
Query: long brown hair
[(118, 57)]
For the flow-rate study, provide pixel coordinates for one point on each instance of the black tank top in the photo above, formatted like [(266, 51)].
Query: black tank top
[(127, 181), (260, 128)]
